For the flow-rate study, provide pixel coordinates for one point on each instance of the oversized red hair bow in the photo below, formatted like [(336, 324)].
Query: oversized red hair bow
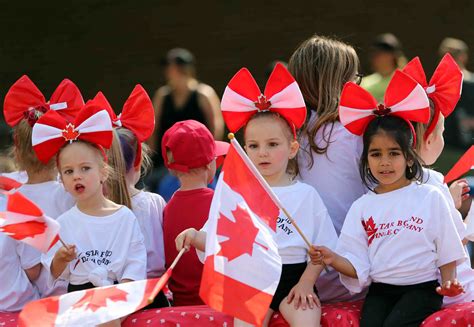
[(92, 124), (137, 116), (242, 98), (404, 98), (24, 98), (444, 87)]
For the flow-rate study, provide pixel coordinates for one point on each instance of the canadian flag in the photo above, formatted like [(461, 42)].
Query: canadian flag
[(242, 267), (464, 164), (24, 221), (90, 307), (8, 184)]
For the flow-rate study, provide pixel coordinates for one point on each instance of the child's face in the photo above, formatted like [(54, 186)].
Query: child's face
[(432, 147), (269, 146), (387, 163), (81, 171)]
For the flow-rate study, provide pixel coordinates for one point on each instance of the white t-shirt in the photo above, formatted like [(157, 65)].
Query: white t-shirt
[(408, 237), (465, 274), (469, 221), (16, 289), (306, 207), (111, 244), (19, 176), (335, 174), (50, 196), (53, 200), (148, 208)]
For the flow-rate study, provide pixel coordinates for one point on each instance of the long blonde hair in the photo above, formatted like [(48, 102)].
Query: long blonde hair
[(322, 66), (116, 187)]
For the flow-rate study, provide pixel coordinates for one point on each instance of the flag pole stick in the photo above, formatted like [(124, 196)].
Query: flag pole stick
[(267, 188), (166, 276)]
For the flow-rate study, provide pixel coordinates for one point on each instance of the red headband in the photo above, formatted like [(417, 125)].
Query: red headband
[(24, 98), (242, 99), (444, 88), (137, 116), (404, 98), (92, 124)]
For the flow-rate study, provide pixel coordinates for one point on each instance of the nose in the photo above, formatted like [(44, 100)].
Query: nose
[(385, 161), (76, 175), (262, 151)]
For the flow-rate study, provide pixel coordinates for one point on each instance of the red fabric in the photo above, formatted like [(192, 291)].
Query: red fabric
[(464, 164), (47, 149), (244, 84), (215, 285), (191, 144), (333, 315), (461, 314), (9, 319), (186, 209), (8, 184), (456, 315)]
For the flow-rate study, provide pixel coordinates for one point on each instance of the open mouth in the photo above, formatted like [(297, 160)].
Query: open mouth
[(386, 172), (79, 188), (264, 164)]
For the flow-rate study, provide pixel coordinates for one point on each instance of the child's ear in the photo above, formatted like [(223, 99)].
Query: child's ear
[(294, 147), (104, 173)]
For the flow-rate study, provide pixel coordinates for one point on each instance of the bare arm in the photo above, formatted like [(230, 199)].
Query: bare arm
[(210, 104), (158, 106), (320, 254), (33, 272)]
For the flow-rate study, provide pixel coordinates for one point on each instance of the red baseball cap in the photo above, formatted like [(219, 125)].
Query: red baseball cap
[(192, 146)]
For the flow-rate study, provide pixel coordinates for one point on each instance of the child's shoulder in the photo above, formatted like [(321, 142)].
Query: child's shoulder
[(146, 196), (432, 177), (298, 189)]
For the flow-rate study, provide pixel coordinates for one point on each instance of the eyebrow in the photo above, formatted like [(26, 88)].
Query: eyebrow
[(390, 149), (80, 163)]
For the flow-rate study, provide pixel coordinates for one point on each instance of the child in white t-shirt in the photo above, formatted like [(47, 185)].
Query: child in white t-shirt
[(271, 145), (24, 104), (19, 266), (444, 90), (396, 237), (106, 244)]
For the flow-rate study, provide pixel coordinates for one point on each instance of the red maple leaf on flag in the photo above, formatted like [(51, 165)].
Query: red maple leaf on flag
[(94, 299), (370, 228), (24, 230), (241, 233)]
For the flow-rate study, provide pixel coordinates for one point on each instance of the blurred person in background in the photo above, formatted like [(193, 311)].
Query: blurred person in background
[(385, 57), (460, 125), (182, 98)]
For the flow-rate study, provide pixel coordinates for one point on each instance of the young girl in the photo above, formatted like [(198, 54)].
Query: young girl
[(132, 127), (106, 242), (24, 104), (20, 265), (270, 121), (443, 90), (396, 237), (330, 154)]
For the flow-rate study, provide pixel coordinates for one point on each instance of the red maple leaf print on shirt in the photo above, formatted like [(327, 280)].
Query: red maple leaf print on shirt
[(370, 228), (241, 233), (94, 299), (24, 230)]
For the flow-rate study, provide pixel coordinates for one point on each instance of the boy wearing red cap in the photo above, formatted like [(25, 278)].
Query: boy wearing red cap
[(189, 152)]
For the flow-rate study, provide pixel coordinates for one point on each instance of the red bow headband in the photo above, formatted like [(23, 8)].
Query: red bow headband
[(137, 115), (23, 98), (444, 88), (404, 98), (92, 124), (242, 99)]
